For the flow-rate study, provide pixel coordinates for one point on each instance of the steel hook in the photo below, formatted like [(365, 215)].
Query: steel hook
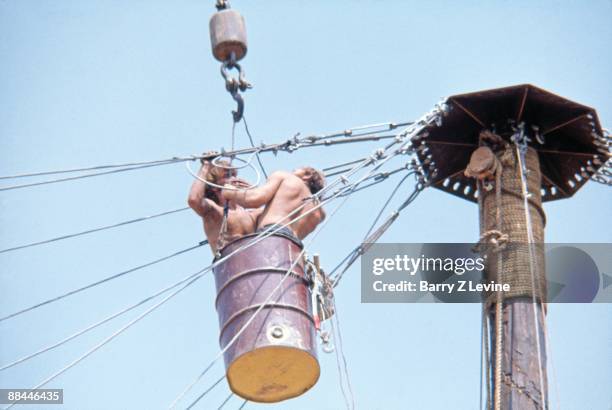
[(239, 112)]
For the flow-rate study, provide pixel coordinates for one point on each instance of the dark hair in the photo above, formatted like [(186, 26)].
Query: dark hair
[(316, 179)]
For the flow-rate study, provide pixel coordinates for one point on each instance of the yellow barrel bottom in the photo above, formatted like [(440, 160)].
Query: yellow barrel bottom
[(273, 373)]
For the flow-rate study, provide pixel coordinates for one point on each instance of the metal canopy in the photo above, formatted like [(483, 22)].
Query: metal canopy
[(569, 154)]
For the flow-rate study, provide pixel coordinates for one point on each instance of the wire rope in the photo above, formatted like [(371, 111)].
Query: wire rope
[(93, 230), (248, 132), (74, 178), (198, 274), (101, 281), (112, 336)]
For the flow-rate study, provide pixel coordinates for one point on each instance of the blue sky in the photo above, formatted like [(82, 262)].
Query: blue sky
[(85, 83)]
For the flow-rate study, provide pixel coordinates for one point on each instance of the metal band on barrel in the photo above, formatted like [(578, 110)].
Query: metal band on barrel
[(272, 270), (269, 305)]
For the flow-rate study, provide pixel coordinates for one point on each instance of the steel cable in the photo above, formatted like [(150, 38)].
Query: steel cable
[(112, 336), (199, 274), (226, 400), (520, 154), (119, 224), (336, 194), (93, 230), (352, 253), (97, 167), (105, 320), (260, 308), (350, 400), (101, 281), (114, 171), (206, 392), (246, 128), (127, 166), (369, 240), (192, 277)]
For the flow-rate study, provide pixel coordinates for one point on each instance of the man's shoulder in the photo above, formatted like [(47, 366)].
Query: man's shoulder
[(281, 175), (294, 181), (288, 182), (288, 179)]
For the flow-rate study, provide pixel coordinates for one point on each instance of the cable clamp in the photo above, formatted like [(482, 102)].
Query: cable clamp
[(378, 154), (381, 176)]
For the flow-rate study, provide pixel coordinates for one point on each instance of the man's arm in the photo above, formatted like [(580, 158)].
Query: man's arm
[(256, 197), (319, 212), (322, 213), (196, 199)]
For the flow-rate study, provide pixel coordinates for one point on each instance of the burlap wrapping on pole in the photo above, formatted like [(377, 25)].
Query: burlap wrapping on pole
[(516, 267)]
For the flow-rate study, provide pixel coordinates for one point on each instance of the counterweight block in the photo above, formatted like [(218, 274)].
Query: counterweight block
[(228, 35)]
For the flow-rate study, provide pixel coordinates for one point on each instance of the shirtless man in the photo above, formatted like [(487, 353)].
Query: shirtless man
[(207, 202), (282, 194)]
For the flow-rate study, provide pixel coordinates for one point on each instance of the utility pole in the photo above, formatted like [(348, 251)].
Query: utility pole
[(510, 149)]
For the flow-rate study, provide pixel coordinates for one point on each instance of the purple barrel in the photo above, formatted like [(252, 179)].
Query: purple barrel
[(275, 357)]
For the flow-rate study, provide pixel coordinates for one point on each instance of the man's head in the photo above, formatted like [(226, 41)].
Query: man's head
[(218, 176), (313, 178)]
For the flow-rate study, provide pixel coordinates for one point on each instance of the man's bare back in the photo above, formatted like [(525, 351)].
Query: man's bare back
[(282, 195)]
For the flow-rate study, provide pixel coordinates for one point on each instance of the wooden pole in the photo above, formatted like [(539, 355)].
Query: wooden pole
[(520, 352), (520, 363)]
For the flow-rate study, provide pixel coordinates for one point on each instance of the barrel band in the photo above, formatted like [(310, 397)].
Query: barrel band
[(252, 272), (269, 305), (255, 235)]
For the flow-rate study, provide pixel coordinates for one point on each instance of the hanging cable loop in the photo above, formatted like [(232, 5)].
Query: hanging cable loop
[(228, 188), (231, 158)]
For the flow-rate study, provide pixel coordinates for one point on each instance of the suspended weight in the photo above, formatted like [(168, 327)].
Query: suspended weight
[(228, 35)]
